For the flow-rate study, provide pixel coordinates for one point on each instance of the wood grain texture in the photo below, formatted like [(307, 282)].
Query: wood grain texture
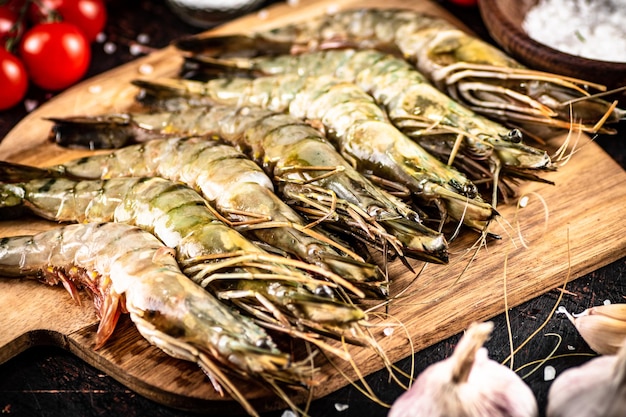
[(582, 233)]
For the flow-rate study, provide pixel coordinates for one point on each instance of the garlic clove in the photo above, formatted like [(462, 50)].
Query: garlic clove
[(594, 389), (467, 384), (602, 327)]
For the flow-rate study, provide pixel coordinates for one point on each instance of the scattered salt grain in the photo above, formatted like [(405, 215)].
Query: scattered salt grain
[(145, 69), (341, 407), (332, 8), (109, 48), (263, 14), (95, 89), (143, 38), (607, 302), (523, 202), (388, 331), (135, 49), (588, 28), (288, 413), (293, 3), (570, 347), (30, 105), (549, 373)]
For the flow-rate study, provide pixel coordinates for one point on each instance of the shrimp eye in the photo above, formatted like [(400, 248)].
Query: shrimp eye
[(514, 135), (467, 190), (324, 291)]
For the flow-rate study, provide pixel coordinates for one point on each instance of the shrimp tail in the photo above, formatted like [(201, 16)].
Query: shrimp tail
[(11, 172), (203, 68), (168, 94), (109, 132), (237, 43)]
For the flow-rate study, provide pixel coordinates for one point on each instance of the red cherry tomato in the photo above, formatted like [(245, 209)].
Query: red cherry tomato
[(8, 28), (89, 15), (13, 5), (56, 55), (13, 79)]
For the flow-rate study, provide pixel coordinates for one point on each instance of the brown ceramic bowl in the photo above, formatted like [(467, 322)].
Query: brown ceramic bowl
[(503, 19)]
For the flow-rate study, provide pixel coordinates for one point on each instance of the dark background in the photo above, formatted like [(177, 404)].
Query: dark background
[(47, 381)]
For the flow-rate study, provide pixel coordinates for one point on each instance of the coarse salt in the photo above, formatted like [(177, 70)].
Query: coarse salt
[(95, 89), (146, 69), (549, 373), (523, 202), (591, 29), (109, 48), (341, 407), (143, 38), (30, 105)]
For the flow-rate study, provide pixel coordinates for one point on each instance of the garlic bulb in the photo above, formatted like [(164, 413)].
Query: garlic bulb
[(595, 389), (602, 327), (467, 384)]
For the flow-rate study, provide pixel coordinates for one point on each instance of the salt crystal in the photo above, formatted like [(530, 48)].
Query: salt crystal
[(288, 413), (523, 202), (263, 14), (332, 8), (607, 302), (570, 347), (30, 105), (146, 69), (584, 28), (109, 48), (95, 89), (388, 331), (341, 407), (293, 3), (135, 49), (143, 38), (549, 373)]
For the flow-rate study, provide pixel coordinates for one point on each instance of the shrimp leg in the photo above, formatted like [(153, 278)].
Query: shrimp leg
[(128, 269), (294, 154), (361, 130), (468, 69)]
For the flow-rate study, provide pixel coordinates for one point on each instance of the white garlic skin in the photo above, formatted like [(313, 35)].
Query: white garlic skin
[(594, 389), (492, 390)]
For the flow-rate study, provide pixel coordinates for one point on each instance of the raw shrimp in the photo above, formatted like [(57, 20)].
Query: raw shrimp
[(238, 189), (425, 114), (468, 69), (211, 254), (128, 269), (309, 173), (361, 130)]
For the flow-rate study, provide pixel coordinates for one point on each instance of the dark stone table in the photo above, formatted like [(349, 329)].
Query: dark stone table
[(47, 381)]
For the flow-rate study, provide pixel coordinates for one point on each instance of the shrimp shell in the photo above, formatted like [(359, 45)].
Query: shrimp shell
[(128, 269), (470, 70), (212, 254), (361, 130), (421, 111), (237, 188), (311, 175)]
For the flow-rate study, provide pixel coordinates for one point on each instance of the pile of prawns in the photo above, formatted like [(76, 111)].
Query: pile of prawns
[(244, 204)]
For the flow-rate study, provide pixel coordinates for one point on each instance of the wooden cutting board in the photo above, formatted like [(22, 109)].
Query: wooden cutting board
[(586, 208)]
